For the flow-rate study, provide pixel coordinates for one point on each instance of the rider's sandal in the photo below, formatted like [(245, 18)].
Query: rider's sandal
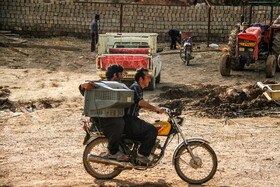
[(143, 159), (119, 156)]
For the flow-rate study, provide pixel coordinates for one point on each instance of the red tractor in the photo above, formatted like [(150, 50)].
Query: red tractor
[(250, 43)]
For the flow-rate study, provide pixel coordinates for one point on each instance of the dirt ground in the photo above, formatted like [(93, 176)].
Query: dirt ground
[(41, 108)]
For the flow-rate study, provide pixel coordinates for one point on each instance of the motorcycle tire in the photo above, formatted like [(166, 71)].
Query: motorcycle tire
[(187, 56), (98, 147), (191, 172), (183, 54)]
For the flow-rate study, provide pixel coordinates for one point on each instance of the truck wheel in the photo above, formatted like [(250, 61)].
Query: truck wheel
[(158, 78), (152, 84), (225, 65), (232, 42), (270, 66)]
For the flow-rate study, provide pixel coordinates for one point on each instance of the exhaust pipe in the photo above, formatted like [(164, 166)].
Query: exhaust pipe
[(102, 160), (98, 159)]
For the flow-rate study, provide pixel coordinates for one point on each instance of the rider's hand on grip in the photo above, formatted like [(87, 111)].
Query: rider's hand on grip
[(160, 110)]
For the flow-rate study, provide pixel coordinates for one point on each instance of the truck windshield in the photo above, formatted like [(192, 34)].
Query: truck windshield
[(131, 45)]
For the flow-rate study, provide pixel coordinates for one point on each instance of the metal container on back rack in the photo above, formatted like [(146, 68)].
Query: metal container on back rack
[(108, 99)]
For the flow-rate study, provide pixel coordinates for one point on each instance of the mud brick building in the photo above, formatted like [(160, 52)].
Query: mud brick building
[(43, 18)]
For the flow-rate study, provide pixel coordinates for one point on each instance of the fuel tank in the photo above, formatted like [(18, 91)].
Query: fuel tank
[(163, 127)]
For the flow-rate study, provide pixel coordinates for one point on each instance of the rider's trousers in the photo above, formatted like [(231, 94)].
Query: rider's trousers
[(142, 131)]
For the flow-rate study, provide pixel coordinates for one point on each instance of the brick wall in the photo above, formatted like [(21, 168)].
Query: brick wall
[(48, 18)]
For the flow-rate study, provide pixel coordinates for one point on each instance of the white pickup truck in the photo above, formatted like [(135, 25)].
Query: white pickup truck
[(131, 51)]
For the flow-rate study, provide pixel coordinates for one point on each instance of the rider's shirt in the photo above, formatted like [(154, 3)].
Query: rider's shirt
[(94, 27), (133, 110)]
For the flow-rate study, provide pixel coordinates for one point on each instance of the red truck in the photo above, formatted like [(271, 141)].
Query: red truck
[(131, 51)]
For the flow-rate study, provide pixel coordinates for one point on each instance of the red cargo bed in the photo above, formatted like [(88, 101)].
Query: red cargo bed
[(129, 50), (126, 61)]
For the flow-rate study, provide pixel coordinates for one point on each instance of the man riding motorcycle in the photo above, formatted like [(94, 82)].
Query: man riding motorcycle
[(112, 127), (136, 128)]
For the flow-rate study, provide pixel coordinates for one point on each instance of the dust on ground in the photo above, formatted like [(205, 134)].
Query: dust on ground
[(40, 109)]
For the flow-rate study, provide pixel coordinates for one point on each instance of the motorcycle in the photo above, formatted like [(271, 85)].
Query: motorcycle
[(194, 160), (186, 50)]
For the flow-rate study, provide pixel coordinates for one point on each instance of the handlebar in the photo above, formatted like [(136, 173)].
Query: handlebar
[(166, 110), (170, 112)]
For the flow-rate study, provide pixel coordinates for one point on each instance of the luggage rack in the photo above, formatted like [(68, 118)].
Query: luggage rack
[(271, 91)]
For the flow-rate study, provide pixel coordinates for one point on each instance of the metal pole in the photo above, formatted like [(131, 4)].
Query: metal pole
[(271, 14), (242, 12), (121, 17), (209, 17), (250, 18), (209, 21)]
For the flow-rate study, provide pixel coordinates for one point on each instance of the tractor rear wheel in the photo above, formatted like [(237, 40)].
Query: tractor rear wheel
[(276, 47), (270, 66), (278, 63), (225, 66), (232, 49), (232, 42)]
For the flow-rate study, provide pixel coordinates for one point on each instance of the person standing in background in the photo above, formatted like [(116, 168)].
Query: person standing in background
[(94, 32), (175, 37)]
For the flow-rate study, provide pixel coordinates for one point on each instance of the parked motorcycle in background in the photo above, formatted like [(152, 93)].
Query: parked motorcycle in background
[(186, 50), (194, 160)]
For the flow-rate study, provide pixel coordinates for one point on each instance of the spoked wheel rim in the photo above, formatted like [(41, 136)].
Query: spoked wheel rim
[(195, 171), (98, 147), (200, 169), (196, 163), (188, 57), (183, 54)]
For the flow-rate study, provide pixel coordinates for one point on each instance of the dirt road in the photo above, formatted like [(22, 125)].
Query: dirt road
[(41, 138)]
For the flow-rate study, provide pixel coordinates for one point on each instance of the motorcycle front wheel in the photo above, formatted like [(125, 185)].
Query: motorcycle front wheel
[(98, 147), (198, 170), (188, 57), (185, 55)]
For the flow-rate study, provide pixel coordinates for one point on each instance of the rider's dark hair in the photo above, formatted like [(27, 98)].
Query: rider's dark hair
[(96, 16), (140, 73), (112, 69)]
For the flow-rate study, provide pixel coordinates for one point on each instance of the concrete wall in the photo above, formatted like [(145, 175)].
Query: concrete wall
[(48, 18)]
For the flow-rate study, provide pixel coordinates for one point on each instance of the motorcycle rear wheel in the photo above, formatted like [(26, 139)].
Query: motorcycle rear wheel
[(185, 55), (98, 147), (201, 171)]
